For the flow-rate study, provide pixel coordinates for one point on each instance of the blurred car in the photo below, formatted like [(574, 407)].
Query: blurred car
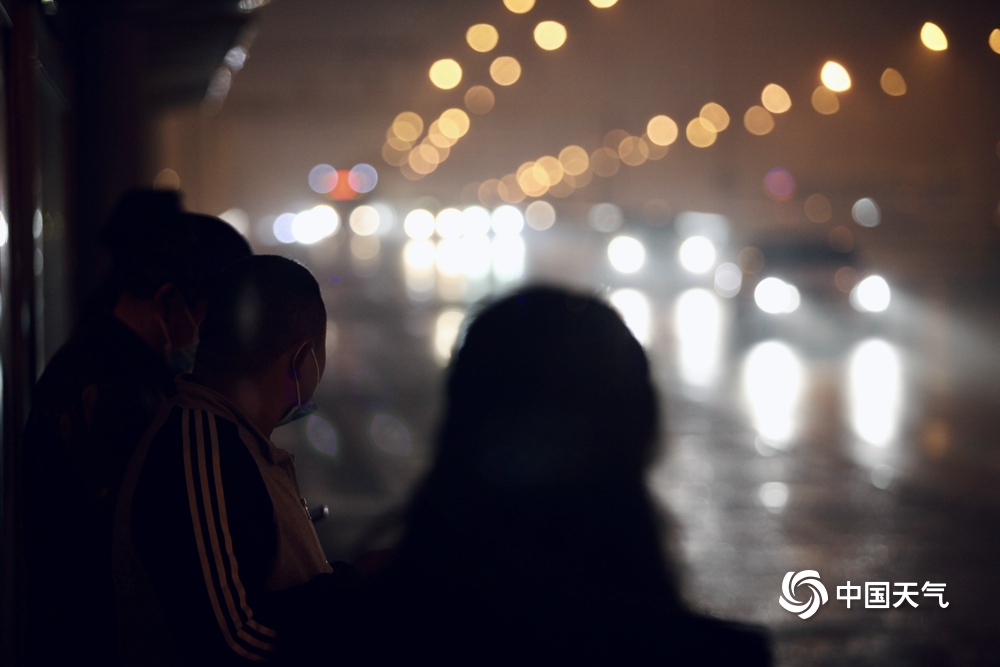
[(807, 291)]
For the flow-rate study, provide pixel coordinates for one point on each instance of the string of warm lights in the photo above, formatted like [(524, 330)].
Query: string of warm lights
[(574, 167)]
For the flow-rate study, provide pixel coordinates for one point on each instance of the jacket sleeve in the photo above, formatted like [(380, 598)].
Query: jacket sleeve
[(203, 522), (225, 504)]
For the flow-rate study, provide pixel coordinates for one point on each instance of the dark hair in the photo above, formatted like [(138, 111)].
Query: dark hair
[(550, 421), (261, 306), (154, 242)]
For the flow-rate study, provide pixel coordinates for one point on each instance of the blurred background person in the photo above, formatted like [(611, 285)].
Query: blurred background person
[(94, 400), (533, 535)]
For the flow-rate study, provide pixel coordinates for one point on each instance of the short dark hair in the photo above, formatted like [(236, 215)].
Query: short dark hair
[(260, 307), (153, 242)]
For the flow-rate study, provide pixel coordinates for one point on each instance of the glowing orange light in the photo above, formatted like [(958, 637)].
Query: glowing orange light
[(933, 37), (446, 73)]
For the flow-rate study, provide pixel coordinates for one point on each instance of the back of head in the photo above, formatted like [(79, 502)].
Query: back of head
[(154, 242), (549, 388), (261, 306), (537, 498)]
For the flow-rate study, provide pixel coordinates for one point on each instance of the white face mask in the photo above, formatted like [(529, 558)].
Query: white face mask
[(300, 409)]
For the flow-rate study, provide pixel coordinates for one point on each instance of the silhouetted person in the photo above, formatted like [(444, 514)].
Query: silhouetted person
[(215, 555), (93, 402), (533, 538)]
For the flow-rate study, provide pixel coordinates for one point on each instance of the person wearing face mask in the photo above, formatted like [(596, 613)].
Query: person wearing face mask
[(216, 559), (91, 405)]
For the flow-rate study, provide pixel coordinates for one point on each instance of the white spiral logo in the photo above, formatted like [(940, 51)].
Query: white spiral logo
[(817, 596)]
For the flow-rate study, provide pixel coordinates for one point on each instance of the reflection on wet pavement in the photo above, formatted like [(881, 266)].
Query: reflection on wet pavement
[(873, 462)]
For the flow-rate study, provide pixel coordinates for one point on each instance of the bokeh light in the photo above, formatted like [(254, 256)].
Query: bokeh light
[(448, 223), (322, 178), (574, 160), (479, 100), (505, 70), (519, 6), (453, 123), (507, 221), (779, 184), (825, 101), (818, 208), (866, 212), (626, 254), (282, 228), (662, 130), (540, 215), (933, 37), (364, 220), (871, 295), (750, 260), (775, 98), (728, 280), (697, 254), (893, 83), (995, 40), (605, 217), (773, 384), (316, 224), (446, 73), (408, 126), (419, 224), (362, 178), (775, 296), (700, 133), (482, 37), (835, 77), (633, 151), (758, 120), (321, 435), (603, 4), (550, 35), (475, 221), (604, 162), (875, 393), (714, 116)]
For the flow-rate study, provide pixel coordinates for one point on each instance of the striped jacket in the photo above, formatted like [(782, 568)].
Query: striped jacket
[(210, 535)]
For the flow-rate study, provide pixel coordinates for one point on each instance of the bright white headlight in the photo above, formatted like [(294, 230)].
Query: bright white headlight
[(697, 254), (774, 295), (871, 295)]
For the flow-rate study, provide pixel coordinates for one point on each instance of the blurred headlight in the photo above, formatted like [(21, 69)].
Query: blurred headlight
[(774, 295), (871, 295), (626, 254), (697, 254)]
